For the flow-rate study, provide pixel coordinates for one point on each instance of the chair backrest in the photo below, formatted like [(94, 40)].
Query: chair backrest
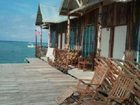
[(122, 88), (101, 69)]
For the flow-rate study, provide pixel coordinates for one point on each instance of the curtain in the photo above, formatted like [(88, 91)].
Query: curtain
[(53, 39), (88, 41), (72, 40)]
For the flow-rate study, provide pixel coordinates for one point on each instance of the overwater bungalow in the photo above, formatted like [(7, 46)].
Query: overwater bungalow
[(102, 35), (98, 27), (110, 26), (53, 25)]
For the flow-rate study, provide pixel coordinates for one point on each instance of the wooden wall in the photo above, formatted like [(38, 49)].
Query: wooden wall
[(116, 14), (81, 22)]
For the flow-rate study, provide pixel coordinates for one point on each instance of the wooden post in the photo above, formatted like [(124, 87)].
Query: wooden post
[(111, 41), (49, 36), (112, 30), (41, 37), (130, 51), (99, 31), (36, 43), (68, 32)]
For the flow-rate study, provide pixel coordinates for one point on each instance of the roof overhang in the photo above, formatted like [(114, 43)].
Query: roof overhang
[(92, 4), (85, 7), (67, 5), (73, 7)]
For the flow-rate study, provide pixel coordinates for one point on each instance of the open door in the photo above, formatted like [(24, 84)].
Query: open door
[(105, 42), (119, 41)]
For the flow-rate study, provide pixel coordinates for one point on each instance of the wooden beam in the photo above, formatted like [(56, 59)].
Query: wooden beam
[(68, 32), (111, 41), (99, 31), (112, 32), (41, 36), (79, 3), (35, 43), (84, 7), (49, 35)]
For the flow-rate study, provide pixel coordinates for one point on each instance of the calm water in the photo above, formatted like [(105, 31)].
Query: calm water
[(15, 52)]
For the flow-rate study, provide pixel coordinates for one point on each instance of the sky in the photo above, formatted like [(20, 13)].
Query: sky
[(17, 18)]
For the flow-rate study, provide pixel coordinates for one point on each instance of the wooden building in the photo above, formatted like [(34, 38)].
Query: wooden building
[(53, 24), (108, 28), (114, 25), (58, 35)]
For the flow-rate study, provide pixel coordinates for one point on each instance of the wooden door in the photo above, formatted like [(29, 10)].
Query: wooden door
[(105, 42), (119, 41)]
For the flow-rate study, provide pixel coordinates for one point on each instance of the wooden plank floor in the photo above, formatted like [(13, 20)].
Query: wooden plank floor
[(36, 83)]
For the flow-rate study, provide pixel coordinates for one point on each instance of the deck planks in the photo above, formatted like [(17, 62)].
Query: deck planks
[(36, 83)]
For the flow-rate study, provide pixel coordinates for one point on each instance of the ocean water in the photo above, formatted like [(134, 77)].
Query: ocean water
[(15, 52)]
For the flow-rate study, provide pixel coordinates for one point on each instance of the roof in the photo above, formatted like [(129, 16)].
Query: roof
[(70, 5), (50, 14), (38, 17), (65, 4), (74, 7)]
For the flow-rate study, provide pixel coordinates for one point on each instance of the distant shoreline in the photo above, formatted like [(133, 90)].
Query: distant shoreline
[(20, 41)]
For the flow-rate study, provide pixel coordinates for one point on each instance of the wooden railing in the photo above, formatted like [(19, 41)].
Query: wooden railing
[(64, 58), (40, 51)]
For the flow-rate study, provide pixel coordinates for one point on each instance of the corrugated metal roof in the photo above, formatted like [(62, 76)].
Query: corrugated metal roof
[(51, 14)]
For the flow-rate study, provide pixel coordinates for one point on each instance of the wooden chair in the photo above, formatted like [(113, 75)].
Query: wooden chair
[(120, 92), (90, 87), (73, 57), (86, 63), (82, 63), (122, 89), (61, 62), (87, 87)]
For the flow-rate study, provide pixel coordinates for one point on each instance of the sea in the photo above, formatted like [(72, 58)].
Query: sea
[(15, 52)]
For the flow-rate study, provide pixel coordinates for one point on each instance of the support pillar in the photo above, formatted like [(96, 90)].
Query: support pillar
[(49, 35), (98, 51), (41, 37), (131, 50), (111, 41), (36, 43), (68, 32)]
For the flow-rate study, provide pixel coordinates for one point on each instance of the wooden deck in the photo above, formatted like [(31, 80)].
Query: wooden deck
[(36, 83)]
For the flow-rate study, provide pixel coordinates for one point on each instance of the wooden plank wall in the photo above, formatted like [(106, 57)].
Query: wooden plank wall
[(89, 18), (115, 14)]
